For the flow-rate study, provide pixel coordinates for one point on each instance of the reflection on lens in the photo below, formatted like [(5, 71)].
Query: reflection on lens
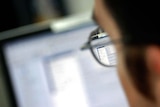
[(104, 51), (107, 55)]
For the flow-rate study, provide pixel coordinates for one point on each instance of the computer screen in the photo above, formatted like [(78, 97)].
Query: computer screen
[(50, 70)]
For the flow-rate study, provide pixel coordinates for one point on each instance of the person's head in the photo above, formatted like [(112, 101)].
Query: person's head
[(136, 24)]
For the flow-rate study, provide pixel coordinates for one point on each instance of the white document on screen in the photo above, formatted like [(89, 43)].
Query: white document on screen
[(80, 81), (69, 88)]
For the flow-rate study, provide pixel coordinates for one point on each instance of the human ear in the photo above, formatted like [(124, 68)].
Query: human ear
[(153, 64), (153, 59)]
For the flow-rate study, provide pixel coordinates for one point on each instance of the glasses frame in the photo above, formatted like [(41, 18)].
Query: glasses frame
[(88, 44)]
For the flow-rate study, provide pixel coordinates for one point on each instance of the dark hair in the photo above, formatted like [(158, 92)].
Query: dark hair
[(139, 23), (138, 20)]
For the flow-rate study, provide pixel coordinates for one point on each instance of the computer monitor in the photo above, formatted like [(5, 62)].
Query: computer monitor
[(50, 70)]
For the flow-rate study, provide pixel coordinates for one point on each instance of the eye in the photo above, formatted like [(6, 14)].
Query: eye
[(97, 31)]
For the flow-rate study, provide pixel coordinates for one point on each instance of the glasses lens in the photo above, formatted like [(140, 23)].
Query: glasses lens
[(104, 50)]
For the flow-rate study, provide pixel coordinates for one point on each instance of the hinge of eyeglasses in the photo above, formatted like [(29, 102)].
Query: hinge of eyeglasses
[(85, 46)]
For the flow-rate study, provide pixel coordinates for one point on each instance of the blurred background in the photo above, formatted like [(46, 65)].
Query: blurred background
[(41, 60), (16, 13)]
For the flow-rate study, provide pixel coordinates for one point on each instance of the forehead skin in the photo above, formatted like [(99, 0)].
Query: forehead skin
[(105, 20)]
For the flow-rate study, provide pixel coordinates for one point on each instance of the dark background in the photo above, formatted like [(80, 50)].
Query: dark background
[(15, 13)]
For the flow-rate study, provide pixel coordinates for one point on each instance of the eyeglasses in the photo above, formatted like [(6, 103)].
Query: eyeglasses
[(101, 47)]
